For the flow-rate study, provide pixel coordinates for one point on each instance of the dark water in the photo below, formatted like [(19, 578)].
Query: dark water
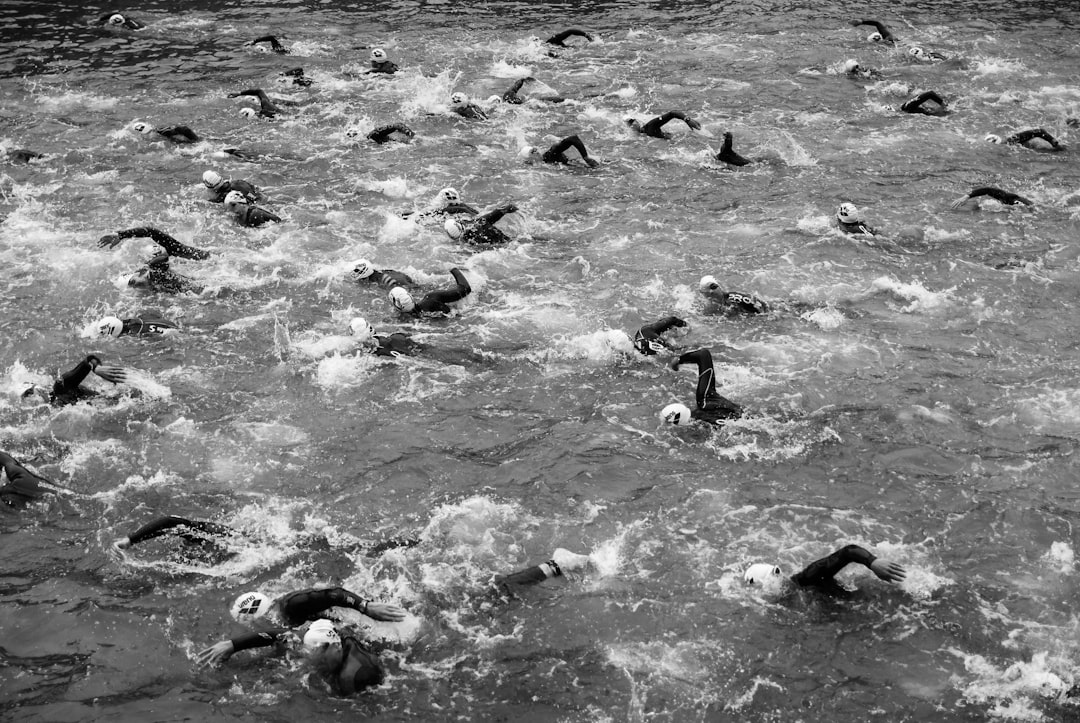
[(917, 397)]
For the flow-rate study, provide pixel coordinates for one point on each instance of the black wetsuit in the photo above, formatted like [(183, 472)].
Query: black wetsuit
[(159, 276), (399, 344), (855, 227), (384, 67), (165, 241), (388, 278), (821, 573), (296, 609), (471, 111), (511, 96), (648, 340), (249, 215), (181, 527), (560, 38), (128, 22), (359, 668), (221, 190), (1007, 197), (711, 407), (21, 155), (383, 134), (450, 209), (916, 104), (654, 127), (1023, 137), (883, 31), (22, 486), (178, 134), (482, 229), (275, 45), (557, 152), (267, 109), (66, 389), (140, 326), (436, 302), (728, 155), (298, 77)]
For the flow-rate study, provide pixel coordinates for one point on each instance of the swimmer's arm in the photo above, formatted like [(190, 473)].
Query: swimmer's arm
[(1006, 197), (510, 96), (824, 570), (259, 216), (885, 34), (277, 46), (163, 525), (706, 386), (1024, 136), (494, 215), (374, 610), (573, 142), (69, 381), (164, 240), (559, 38), (383, 133), (668, 322), (463, 286), (460, 208), (26, 482)]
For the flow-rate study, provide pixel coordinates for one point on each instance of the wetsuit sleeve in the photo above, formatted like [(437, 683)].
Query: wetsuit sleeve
[(823, 571), (560, 148), (263, 639), (68, 383), (277, 46), (383, 133), (511, 96), (22, 485), (306, 604), (559, 38), (259, 216), (163, 525), (1006, 197), (165, 241), (460, 208), (706, 386), (885, 34), (493, 216), (436, 301)]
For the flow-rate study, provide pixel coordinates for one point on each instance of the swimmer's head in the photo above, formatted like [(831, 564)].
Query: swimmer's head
[(992, 138), (234, 200), (875, 37), (141, 127), (453, 228), (458, 98), (212, 179), (402, 299), (535, 40), (917, 53), (250, 606), (116, 19), (320, 633), (677, 414), (110, 326), (361, 329), (362, 269), (352, 132), (528, 153), (847, 213), (852, 66), (447, 196), (140, 278), (247, 112), (760, 573), (378, 55), (707, 284)]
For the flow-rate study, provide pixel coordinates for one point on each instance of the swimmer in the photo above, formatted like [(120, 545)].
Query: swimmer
[(821, 574), (246, 214), (562, 561), (221, 187), (848, 220), (730, 302), (560, 38), (285, 613), (118, 20), (275, 45), (481, 230), (380, 63), (193, 532), (115, 327), (882, 33), (267, 109), (162, 239), (21, 155), (460, 104), (394, 132), (1024, 137), (648, 339), (398, 344), (926, 56), (1006, 197), (557, 152), (22, 486), (346, 664), (156, 275), (711, 407), (364, 271), (433, 302), (176, 134), (511, 96), (66, 389), (728, 155), (915, 105), (296, 77), (854, 69), (447, 202), (653, 127)]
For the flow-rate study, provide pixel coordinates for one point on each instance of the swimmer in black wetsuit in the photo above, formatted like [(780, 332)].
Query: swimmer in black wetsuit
[(511, 96), (481, 230), (1024, 137), (22, 486), (729, 302), (246, 214), (346, 664), (446, 203), (654, 126), (854, 69), (821, 574), (364, 271), (275, 45), (157, 275), (882, 33), (460, 104), (848, 221), (926, 56), (164, 240), (560, 38), (21, 155), (711, 407), (1006, 197), (728, 155), (267, 109), (380, 63), (66, 389), (117, 20), (176, 134), (398, 344), (296, 77), (433, 302), (115, 327), (394, 132), (220, 187), (201, 534), (916, 104), (562, 561), (557, 152), (648, 339)]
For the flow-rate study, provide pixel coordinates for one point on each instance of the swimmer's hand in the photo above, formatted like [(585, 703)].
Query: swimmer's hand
[(216, 654), (116, 375), (592, 162), (384, 611), (887, 570), (508, 207), (674, 364), (111, 240), (693, 124)]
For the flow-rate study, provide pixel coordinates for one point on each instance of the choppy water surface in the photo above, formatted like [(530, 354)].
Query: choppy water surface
[(917, 397)]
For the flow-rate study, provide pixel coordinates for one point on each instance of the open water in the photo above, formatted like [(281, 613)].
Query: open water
[(918, 397)]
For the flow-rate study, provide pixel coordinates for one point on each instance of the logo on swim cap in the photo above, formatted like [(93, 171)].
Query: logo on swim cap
[(110, 326), (402, 299), (847, 213), (211, 179), (760, 572), (234, 200), (447, 195), (247, 112), (140, 127), (459, 98), (116, 19), (362, 269), (453, 228), (319, 633), (378, 55), (249, 607), (677, 414), (361, 329), (708, 283), (874, 37), (992, 138)]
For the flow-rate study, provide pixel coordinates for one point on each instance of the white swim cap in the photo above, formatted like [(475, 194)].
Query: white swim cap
[(378, 55), (916, 52), (708, 283), (448, 195), (851, 66), (362, 269), (847, 213), (875, 37), (528, 152), (250, 606), (402, 299), (459, 98), (211, 179), (759, 572), (319, 633), (677, 414), (992, 138), (110, 326), (140, 127), (247, 112), (453, 228), (116, 19), (361, 329), (234, 199)]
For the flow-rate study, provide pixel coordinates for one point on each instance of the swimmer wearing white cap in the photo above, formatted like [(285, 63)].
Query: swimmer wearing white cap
[(66, 389), (398, 344), (557, 152), (855, 69), (157, 275), (821, 574), (729, 302), (918, 104), (925, 56), (654, 126), (267, 107), (380, 63), (119, 20), (849, 220), (561, 37), (114, 327), (1005, 197), (711, 407), (511, 96), (1024, 137), (220, 187), (177, 134), (393, 132), (245, 213), (881, 33), (364, 271), (481, 230), (460, 104), (290, 611), (22, 486), (275, 44), (433, 302), (728, 155), (649, 340), (345, 663), (446, 202)]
